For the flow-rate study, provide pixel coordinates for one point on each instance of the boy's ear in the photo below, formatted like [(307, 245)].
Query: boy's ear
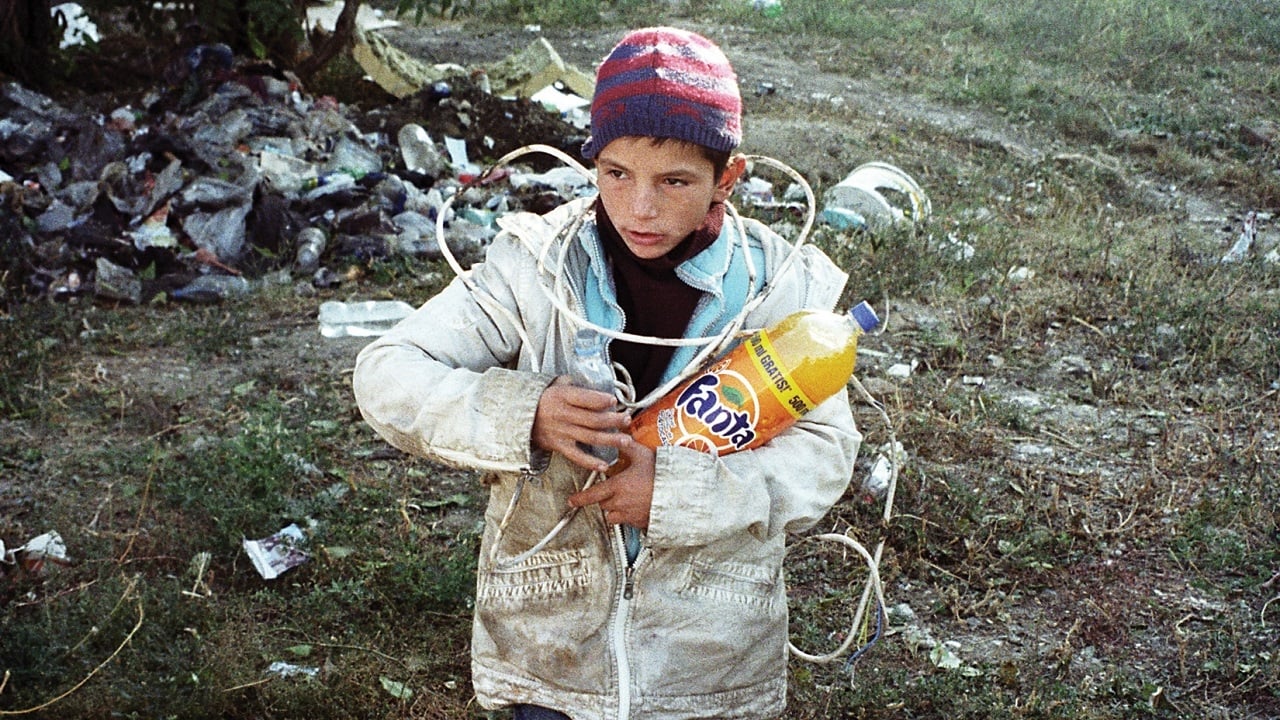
[(729, 178)]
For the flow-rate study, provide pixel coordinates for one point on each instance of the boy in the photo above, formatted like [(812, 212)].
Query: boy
[(663, 596)]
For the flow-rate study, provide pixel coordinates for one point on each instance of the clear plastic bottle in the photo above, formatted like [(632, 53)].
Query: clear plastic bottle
[(762, 386), (212, 288), (591, 369), (361, 319), (310, 245)]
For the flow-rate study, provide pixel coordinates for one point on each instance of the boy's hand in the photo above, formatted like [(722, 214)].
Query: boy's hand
[(568, 415), (625, 497)]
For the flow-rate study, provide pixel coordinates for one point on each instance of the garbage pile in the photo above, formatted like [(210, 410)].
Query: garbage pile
[(233, 173)]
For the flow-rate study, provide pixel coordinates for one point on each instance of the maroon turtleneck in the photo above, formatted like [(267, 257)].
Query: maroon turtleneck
[(655, 302)]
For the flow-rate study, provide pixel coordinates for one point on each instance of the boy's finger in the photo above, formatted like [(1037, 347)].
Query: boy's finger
[(591, 496), (583, 459), (589, 399)]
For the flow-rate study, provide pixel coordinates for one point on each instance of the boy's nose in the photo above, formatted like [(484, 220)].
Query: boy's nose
[(645, 203)]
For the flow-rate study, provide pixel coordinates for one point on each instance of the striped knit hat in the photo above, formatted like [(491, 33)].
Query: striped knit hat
[(665, 82)]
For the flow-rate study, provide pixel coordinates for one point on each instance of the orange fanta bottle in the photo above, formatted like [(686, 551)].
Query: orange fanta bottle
[(761, 387)]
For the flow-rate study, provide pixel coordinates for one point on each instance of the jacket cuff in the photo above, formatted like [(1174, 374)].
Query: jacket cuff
[(509, 401)]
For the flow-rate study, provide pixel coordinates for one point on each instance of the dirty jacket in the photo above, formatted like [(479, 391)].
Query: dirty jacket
[(696, 627)]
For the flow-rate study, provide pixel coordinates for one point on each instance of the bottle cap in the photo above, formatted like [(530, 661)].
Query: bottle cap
[(865, 316)]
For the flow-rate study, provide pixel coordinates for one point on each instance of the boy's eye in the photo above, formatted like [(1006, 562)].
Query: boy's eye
[(676, 181)]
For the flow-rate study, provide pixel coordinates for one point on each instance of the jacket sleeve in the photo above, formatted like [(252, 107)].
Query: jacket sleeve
[(440, 384), (786, 485)]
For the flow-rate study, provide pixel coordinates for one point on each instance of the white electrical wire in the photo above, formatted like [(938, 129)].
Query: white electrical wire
[(873, 587), (560, 297)]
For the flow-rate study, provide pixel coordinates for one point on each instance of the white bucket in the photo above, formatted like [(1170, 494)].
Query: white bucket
[(860, 196)]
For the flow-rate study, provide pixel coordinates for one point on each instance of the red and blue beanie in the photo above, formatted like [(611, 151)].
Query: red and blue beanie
[(665, 82)]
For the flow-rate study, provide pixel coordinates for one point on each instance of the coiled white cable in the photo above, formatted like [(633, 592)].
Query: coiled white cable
[(873, 587), (560, 297), (558, 294)]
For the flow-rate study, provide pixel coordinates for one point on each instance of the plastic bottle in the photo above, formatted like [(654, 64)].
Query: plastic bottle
[(761, 387), (591, 369), (361, 319), (310, 245), (418, 151), (212, 288)]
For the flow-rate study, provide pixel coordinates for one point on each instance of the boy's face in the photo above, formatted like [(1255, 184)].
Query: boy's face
[(656, 194)]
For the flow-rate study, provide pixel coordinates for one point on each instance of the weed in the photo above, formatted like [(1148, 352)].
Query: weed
[(34, 337)]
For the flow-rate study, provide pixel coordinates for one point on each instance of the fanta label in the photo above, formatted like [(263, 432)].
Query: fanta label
[(739, 402), (704, 401), (784, 389), (750, 395)]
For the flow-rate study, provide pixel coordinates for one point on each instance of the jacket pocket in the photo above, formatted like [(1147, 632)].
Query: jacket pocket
[(539, 619), (550, 575), (754, 585)]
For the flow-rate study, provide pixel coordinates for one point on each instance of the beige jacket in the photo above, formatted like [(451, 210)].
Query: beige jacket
[(697, 627)]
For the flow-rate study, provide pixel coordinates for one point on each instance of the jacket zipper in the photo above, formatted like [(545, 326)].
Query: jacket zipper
[(620, 626)]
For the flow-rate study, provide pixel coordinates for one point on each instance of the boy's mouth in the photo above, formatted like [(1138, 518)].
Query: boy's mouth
[(643, 238)]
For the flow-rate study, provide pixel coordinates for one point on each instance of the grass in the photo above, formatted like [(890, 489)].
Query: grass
[(1123, 569)]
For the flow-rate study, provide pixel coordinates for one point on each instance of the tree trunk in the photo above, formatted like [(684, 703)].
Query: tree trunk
[(343, 31), (26, 37)]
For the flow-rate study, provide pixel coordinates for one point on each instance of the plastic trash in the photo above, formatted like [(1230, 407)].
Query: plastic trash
[(48, 547), (221, 232), (859, 201), (361, 319), (417, 234), (212, 141), (439, 90), (572, 108), (876, 483), (457, 149), (419, 152), (310, 245), (275, 554), (154, 231), (591, 369), (1244, 242), (353, 158), (59, 217), (288, 670), (78, 29), (564, 180), (328, 184), (213, 288), (114, 282), (285, 173), (902, 370)]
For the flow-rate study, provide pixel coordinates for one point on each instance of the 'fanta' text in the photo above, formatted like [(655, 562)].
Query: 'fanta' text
[(702, 401)]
